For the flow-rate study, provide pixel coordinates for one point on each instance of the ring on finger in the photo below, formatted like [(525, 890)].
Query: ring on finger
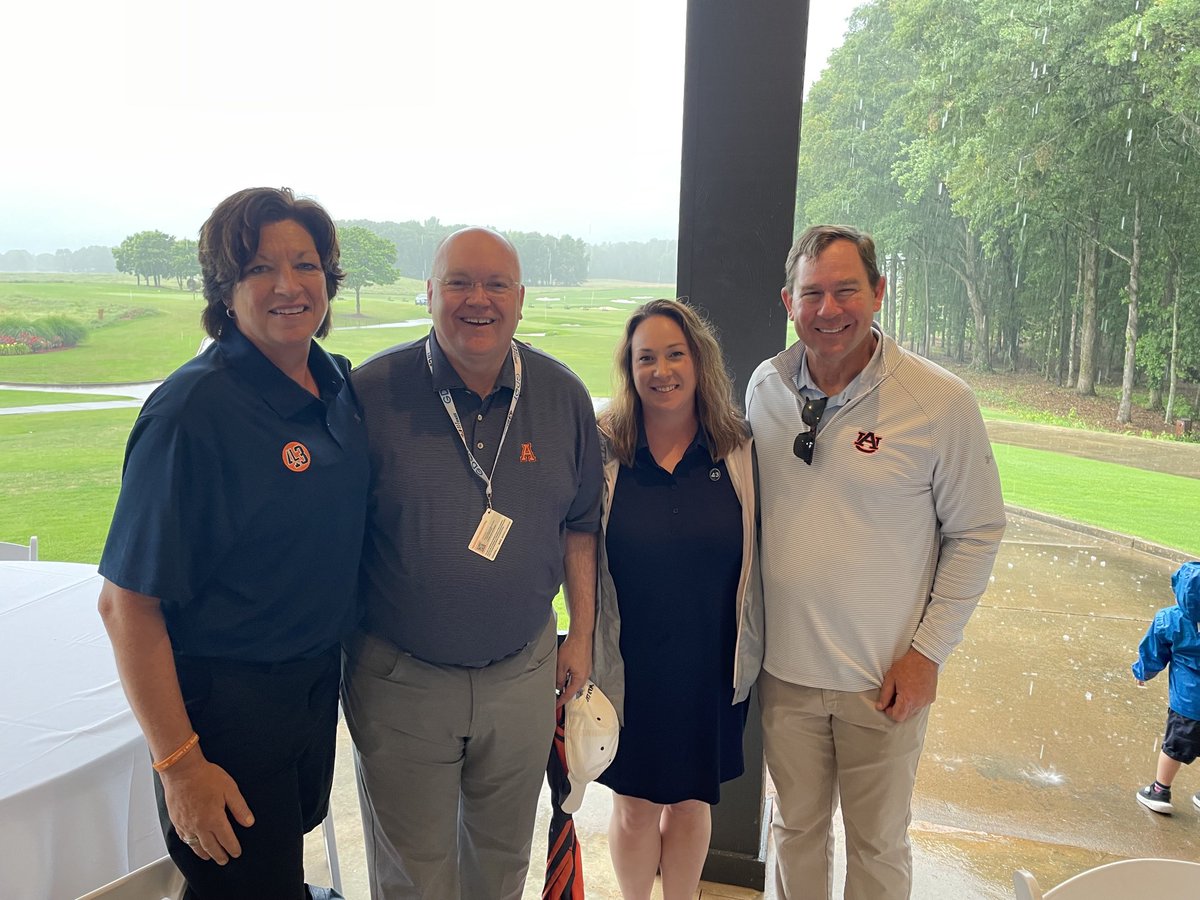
[(191, 840)]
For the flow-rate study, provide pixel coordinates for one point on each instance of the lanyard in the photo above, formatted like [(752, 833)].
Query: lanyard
[(452, 412)]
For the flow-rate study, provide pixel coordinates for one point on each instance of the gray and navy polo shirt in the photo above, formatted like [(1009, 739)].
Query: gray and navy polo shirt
[(422, 588)]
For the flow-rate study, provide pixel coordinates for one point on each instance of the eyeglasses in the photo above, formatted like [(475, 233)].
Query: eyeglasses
[(810, 415), (496, 288)]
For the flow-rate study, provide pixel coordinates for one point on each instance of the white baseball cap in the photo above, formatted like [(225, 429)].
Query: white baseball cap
[(590, 733)]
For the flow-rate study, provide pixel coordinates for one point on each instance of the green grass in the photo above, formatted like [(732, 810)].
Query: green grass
[(60, 475), (1164, 509), (65, 495), (59, 472), (11, 398), (135, 333), (145, 333), (581, 328)]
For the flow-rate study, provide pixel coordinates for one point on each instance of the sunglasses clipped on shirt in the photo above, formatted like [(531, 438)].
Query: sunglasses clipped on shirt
[(810, 415)]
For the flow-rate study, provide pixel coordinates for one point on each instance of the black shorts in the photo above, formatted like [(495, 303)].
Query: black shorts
[(1182, 740)]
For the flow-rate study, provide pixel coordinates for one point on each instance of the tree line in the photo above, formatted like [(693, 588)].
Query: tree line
[(87, 260), (1029, 173), (377, 253), (546, 259)]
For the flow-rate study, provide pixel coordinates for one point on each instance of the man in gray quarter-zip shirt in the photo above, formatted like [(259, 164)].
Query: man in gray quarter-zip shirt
[(881, 518)]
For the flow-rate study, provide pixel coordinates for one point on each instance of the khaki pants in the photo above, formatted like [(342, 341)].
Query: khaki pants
[(822, 746), (450, 765)]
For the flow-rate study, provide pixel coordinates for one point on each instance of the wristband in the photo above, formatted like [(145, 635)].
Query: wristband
[(163, 764)]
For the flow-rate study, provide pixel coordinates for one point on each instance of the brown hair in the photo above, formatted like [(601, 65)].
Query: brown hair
[(719, 416), (815, 239), (229, 240)]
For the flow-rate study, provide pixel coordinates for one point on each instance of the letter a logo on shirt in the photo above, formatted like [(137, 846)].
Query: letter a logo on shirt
[(867, 442), (527, 452), (296, 456)]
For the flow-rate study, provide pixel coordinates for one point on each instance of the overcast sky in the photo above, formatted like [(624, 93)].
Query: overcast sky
[(541, 115)]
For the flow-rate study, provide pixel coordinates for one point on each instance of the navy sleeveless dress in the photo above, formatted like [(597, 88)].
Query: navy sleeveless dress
[(674, 542)]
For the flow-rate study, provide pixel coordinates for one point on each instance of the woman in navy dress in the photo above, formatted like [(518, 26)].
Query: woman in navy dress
[(679, 547)]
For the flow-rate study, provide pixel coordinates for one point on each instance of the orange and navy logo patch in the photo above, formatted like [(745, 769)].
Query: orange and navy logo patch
[(867, 442), (527, 452), (296, 456)]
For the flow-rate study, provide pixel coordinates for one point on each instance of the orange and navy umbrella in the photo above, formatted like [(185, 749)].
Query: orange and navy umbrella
[(564, 860)]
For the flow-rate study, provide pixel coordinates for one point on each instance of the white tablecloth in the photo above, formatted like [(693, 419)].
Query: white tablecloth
[(76, 798)]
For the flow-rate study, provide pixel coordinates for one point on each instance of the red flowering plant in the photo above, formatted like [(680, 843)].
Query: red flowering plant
[(20, 336)]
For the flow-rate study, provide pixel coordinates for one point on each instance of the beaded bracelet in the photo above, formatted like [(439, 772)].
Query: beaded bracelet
[(163, 764)]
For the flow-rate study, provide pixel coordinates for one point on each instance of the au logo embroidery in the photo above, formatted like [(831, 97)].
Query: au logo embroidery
[(867, 442), (296, 456), (527, 452)]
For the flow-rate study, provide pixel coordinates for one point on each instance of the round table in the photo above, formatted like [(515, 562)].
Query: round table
[(76, 797)]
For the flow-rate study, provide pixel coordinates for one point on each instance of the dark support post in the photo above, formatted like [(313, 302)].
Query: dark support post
[(743, 87)]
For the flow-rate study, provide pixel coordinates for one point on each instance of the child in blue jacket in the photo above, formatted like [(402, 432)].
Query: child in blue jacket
[(1174, 640)]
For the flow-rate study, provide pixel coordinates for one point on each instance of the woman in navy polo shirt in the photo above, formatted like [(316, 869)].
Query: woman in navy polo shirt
[(231, 561), (679, 544)]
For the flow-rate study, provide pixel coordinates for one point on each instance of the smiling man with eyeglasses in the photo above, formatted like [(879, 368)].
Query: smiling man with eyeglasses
[(484, 498), (881, 519)]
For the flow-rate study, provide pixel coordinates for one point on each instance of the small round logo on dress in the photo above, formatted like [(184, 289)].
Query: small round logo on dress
[(296, 456), (714, 474)]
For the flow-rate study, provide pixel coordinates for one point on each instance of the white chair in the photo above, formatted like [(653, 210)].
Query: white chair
[(158, 881), (1026, 885), (19, 552), (1119, 881)]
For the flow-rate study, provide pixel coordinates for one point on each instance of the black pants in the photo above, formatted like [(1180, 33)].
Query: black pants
[(273, 729)]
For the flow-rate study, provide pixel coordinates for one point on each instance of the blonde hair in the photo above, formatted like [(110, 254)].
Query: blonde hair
[(719, 416)]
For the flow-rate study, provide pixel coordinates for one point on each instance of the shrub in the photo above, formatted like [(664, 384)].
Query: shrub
[(37, 335), (64, 328)]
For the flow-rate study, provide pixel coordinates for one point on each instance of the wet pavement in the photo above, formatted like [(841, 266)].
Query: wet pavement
[(1040, 736), (1172, 457), (1037, 742), (136, 392)]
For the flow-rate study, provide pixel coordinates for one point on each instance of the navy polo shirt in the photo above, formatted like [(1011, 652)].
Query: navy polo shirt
[(423, 589), (242, 505)]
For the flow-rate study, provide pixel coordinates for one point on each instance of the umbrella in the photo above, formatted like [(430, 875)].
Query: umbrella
[(564, 860)]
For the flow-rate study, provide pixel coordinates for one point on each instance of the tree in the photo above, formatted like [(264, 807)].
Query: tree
[(16, 261), (94, 258), (1028, 172), (147, 254), (570, 260), (415, 241), (185, 261), (366, 259), (653, 260), (123, 258)]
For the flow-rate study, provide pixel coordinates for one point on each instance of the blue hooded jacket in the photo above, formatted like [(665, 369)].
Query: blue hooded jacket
[(1174, 639)]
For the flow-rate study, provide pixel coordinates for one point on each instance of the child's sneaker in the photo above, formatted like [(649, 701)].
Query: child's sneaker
[(1158, 799)]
